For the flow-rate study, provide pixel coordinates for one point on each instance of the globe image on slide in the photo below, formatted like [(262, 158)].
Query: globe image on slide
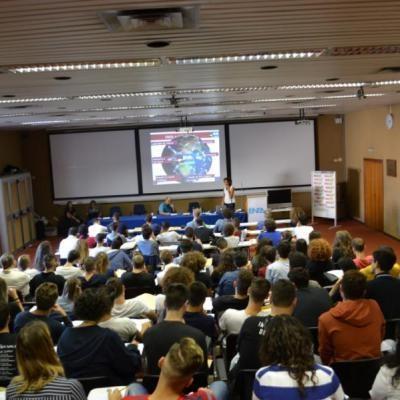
[(187, 157)]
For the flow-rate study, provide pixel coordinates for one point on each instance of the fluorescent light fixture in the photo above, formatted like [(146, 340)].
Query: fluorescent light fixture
[(32, 100), (322, 86), (314, 106), (47, 122), (286, 99), (283, 55), (86, 66), (384, 83)]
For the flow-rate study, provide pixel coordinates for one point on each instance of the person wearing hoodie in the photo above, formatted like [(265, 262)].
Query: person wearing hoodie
[(355, 327), (89, 350), (118, 258)]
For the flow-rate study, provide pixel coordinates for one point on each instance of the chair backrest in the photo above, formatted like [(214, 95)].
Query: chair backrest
[(392, 328), (95, 382), (139, 209), (357, 376), (230, 349), (131, 292), (245, 382), (314, 337), (193, 205), (200, 379), (114, 210), (151, 262)]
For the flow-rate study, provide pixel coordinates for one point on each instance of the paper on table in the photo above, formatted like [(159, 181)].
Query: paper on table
[(102, 393)]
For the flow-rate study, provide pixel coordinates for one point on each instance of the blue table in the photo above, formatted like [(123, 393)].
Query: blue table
[(134, 221)]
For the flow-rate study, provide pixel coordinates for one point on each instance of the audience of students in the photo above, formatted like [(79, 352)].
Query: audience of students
[(13, 277)]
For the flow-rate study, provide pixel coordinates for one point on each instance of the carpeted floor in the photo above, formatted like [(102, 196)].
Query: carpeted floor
[(372, 238)]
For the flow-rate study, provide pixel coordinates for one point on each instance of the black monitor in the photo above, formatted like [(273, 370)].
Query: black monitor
[(280, 198)]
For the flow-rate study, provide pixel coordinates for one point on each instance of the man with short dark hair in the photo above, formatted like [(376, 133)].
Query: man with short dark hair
[(8, 343), (166, 236), (270, 232), (48, 275), (14, 277), (302, 230), (68, 244), (385, 289), (202, 232), (240, 299), (311, 301), (280, 268), (355, 327), (283, 302), (232, 320), (118, 258), (100, 238), (146, 244), (70, 269), (158, 339), (46, 303), (139, 277), (185, 247)]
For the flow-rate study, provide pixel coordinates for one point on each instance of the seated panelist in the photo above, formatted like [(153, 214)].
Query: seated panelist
[(166, 207)]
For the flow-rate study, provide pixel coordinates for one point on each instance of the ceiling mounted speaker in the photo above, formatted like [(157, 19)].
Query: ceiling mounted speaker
[(151, 19)]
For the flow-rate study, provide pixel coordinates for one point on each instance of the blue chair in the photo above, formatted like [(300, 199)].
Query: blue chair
[(139, 209)]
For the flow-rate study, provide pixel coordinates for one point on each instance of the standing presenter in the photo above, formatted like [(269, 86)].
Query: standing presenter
[(229, 194)]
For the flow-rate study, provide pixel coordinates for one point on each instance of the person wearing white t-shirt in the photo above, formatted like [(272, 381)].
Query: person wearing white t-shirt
[(130, 308), (14, 278), (231, 239), (166, 236), (68, 244), (100, 248), (229, 194), (69, 269), (280, 268), (96, 228), (302, 230), (231, 320)]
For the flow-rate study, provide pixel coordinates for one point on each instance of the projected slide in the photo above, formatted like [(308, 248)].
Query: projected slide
[(185, 157)]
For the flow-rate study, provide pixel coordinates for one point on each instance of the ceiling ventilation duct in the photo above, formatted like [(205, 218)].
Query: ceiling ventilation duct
[(151, 19)]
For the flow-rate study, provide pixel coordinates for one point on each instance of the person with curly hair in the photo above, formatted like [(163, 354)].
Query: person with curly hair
[(196, 262), (342, 246), (290, 370), (319, 254)]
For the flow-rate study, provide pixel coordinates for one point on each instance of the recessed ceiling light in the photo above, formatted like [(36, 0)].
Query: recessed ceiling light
[(33, 99), (62, 78), (158, 44), (332, 79), (266, 67)]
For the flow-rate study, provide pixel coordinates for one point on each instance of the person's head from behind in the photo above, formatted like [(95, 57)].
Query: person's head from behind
[(221, 244), (115, 216), (226, 262), (342, 239), (243, 282), (42, 250), (24, 261), (100, 237), (168, 200), (283, 296), (301, 246), (302, 218), (197, 294), (196, 212), (240, 259), (236, 223), (199, 222), (284, 249), (146, 232), (353, 285), (287, 343), (83, 231), (263, 242), (73, 257), (384, 259), (185, 246), (92, 305), (346, 264), (287, 235), (300, 277), (297, 259), (189, 233), (116, 243), (229, 230), (7, 261), (4, 315), (117, 287), (319, 250), (149, 218), (72, 289), (89, 265), (102, 262), (314, 235), (73, 231), (269, 254), (182, 361), (46, 296), (92, 204), (165, 226), (259, 290), (50, 262), (227, 213), (138, 261), (176, 297), (69, 206), (166, 257), (358, 245), (37, 360), (194, 260), (182, 275), (270, 225), (114, 227)]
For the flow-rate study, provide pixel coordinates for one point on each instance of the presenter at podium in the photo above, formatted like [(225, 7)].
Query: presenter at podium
[(166, 208), (229, 194)]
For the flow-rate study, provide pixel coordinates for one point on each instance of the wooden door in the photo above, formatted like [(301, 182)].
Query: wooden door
[(373, 193)]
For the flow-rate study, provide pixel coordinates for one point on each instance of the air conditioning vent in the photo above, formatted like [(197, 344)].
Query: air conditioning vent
[(151, 19)]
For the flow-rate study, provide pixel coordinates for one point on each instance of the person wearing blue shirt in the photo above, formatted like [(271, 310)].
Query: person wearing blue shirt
[(220, 223), (166, 208), (271, 232), (147, 246), (196, 215), (118, 258)]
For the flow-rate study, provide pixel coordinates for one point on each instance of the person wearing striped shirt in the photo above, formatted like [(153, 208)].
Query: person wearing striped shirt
[(41, 375), (290, 371)]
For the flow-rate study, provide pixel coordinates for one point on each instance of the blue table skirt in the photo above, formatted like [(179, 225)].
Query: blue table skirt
[(134, 221)]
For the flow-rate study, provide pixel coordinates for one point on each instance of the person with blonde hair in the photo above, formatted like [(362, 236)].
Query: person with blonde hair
[(42, 250), (41, 374), (24, 265), (102, 263), (182, 361), (82, 248), (72, 290)]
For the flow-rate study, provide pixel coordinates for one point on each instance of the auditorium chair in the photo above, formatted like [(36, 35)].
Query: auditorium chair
[(244, 384), (230, 349), (115, 209), (95, 382), (357, 376), (392, 328), (314, 337), (193, 205), (139, 209), (132, 292)]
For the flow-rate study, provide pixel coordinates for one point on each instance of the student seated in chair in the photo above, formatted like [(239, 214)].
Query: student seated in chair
[(139, 277)]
